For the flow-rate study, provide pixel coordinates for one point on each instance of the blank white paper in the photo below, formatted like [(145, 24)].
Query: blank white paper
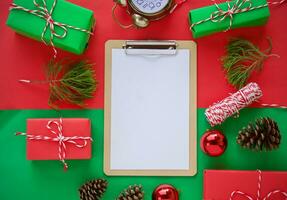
[(150, 111)]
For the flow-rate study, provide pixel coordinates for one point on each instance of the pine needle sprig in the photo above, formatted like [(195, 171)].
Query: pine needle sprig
[(243, 58), (71, 83)]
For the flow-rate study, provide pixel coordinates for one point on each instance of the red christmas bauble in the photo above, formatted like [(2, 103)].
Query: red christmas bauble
[(165, 192), (213, 143)]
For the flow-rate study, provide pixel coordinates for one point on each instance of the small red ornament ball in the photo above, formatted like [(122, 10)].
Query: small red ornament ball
[(213, 143), (165, 192)]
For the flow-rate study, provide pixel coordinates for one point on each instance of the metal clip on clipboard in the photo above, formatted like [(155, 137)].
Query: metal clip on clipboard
[(151, 47)]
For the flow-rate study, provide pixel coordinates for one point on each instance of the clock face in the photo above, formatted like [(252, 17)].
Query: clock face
[(150, 6)]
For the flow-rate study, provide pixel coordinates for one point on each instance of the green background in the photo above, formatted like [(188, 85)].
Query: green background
[(45, 180)]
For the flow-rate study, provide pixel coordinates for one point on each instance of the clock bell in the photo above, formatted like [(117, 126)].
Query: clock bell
[(144, 11)]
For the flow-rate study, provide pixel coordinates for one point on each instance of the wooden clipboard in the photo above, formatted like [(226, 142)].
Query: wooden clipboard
[(151, 48)]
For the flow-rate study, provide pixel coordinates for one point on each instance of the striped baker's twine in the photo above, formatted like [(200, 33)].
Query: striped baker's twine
[(219, 112), (220, 14), (43, 12), (273, 105), (247, 196), (61, 139)]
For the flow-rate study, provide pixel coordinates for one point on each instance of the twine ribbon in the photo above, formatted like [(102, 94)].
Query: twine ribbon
[(43, 12), (60, 138), (248, 197), (177, 5), (273, 105), (239, 6)]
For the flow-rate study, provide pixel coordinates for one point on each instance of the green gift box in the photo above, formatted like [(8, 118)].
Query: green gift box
[(229, 15), (38, 19)]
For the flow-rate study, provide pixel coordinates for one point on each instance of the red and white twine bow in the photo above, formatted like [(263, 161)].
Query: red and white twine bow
[(247, 196), (239, 6), (43, 12), (60, 138)]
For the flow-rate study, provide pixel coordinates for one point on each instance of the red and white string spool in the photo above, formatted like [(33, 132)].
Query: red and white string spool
[(219, 112)]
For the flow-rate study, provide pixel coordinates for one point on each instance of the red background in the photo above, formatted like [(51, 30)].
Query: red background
[(23, 58)]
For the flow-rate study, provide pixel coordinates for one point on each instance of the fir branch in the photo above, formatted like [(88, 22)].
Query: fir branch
[(71, 83), (242, 59)]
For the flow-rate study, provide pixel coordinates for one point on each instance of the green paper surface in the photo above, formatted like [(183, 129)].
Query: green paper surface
[(65, 12), (255, 17), (46, 180)]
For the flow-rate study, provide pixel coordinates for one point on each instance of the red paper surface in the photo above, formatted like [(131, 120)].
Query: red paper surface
[(25, 58), (219, 184), (48, 150)]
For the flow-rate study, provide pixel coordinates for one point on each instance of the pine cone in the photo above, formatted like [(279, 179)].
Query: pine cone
[(93, 190), (132, 193), (263, 135)]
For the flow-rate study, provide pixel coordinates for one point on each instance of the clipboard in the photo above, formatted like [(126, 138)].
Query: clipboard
[(150, 108)]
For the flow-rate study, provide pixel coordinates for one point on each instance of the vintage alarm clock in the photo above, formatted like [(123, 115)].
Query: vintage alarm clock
[(144, 11)]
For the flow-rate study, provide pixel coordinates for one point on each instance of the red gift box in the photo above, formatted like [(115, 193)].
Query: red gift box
[(58, 139), (244, 185)]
